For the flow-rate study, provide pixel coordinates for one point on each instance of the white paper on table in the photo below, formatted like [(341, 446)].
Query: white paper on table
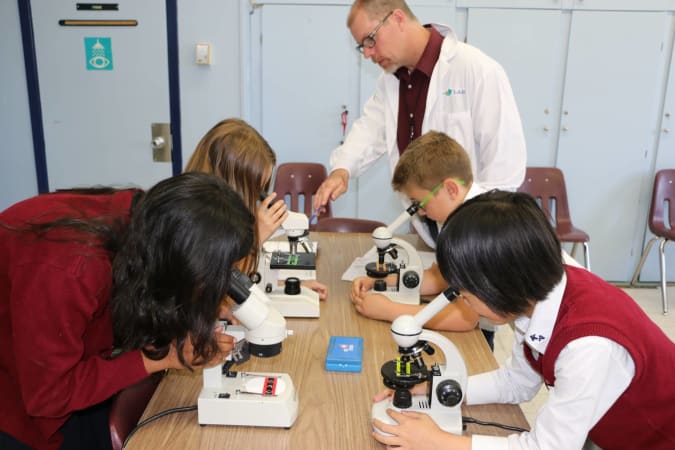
[(358, 266)]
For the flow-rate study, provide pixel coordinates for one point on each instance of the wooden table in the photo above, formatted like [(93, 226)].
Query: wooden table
[(334, 407)]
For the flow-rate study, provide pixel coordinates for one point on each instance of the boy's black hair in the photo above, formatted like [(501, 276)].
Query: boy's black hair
[(500, 247)]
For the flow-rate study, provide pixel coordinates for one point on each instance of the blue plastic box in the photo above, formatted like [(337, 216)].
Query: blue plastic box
[(344, 353)]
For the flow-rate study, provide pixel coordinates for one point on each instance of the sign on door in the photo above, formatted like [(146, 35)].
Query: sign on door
[(98, 53)]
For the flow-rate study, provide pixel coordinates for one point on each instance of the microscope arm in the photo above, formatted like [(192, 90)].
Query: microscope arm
[(392, 227), (407, 329), (400, 220), (446, 297)]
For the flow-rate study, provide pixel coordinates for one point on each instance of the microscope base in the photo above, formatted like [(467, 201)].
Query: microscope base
[(447, 418), (304, 304), (406, 298), (240, 400)]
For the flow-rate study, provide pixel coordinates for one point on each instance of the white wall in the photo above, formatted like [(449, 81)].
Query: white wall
[(17, 167), (210, 93)]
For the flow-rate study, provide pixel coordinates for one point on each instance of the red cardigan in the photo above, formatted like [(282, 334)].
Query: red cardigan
[(55, 322), (643, 417)]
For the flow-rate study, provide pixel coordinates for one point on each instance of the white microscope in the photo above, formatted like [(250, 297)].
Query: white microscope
[(408, 268), (446, 383), (250, 398), (290, 299)]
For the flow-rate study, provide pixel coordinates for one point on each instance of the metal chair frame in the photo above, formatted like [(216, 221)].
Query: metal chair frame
[(662, 224)]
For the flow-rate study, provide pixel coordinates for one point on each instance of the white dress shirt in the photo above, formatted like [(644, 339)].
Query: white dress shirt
[(590, 374)]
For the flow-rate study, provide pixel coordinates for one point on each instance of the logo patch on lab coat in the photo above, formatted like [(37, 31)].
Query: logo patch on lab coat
[(450, 92)]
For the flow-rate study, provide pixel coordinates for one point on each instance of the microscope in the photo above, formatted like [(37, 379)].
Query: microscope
[(446, 383), (408, 271), (249, 398), (291, 299)]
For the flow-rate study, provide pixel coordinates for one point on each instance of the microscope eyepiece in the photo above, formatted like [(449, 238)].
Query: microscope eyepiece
[(451, 294), (240, 286)]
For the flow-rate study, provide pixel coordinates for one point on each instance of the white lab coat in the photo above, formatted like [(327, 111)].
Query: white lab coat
[(469, 98)]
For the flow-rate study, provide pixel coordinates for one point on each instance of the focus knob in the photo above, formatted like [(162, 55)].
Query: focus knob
[(292, 286), (411, 279), (402, 398), (449, 393), (380, 286)]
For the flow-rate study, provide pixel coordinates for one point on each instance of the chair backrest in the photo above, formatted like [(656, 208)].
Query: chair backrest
[(547, 186), (128, 406), (300, 180), (347, 225), (662, 211)]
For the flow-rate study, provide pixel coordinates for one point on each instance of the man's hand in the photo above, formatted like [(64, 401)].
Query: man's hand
[(332, 187)]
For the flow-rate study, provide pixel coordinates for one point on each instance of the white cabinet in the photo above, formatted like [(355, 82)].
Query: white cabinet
[(588, 85), (530, 45), (607, 5), (609, 117), (309, 72), (665, 159)]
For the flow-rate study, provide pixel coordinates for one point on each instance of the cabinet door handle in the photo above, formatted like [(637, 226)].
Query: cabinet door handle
[(565, 128)]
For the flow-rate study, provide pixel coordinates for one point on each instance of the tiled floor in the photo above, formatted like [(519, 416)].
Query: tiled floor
[(650, 300)]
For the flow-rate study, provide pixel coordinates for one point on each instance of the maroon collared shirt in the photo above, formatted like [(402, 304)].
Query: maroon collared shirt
[(412, 91)]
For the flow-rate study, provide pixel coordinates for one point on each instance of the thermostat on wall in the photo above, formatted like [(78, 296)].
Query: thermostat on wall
[(203, 53)]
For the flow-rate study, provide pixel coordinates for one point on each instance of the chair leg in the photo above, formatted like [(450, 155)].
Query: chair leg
[(638, 269), (664, 280), (574, 249), (587, 256)]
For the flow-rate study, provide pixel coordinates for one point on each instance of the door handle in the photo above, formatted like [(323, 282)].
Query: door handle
[(161, 142)]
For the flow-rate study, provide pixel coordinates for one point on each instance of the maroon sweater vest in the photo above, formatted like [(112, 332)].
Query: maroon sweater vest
[(643, 417)]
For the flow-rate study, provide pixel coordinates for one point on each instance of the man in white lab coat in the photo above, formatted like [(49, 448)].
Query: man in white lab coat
[(431, 81)]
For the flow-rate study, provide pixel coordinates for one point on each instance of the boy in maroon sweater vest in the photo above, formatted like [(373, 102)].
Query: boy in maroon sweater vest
[(608, 367)]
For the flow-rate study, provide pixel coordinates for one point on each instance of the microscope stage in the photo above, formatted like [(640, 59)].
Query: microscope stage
[(286, 260)]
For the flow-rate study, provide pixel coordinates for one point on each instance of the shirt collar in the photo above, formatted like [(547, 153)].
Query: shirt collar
[(537, 329), (430, 55), (474, 191)]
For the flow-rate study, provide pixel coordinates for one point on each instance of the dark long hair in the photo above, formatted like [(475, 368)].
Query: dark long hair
[(172, 270), (500, 247)]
